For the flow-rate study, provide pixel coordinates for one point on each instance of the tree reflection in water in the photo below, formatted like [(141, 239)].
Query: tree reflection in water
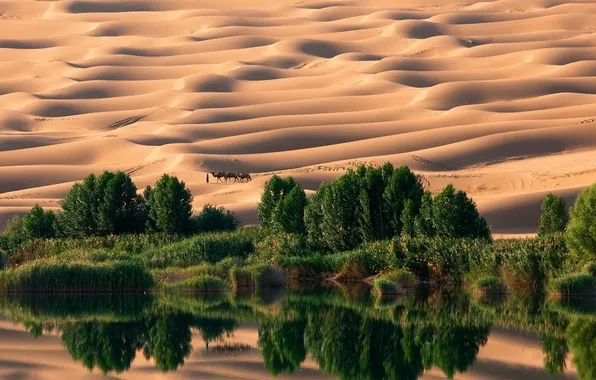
[(348, 338)]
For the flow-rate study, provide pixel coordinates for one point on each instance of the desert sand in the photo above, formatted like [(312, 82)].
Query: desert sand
[(496, 97), (507, 354)]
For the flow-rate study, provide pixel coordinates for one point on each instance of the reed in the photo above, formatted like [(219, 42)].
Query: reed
[(490, 286), (57, 276), (201, 284)]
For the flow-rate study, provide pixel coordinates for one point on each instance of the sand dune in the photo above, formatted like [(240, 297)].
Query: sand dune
[(497, 97)]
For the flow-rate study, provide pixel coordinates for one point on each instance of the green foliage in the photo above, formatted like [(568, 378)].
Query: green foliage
[(14, 234), (373, 223), (211, 248), (256, 276), (402, 186), (555, 353), (212, 219), (55, 276), (581, 336), (39, 224), (202, 283), (491, 285), (288, 215), (455, 215), (384, 286), (281, 244), (574, 285), (581, 231), (282, 345), (591, 269), (282, 205), (423, 225), (313, 216), (103, 205), (169, 206), (554, 216)]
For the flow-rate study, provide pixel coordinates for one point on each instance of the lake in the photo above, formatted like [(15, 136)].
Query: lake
[(325, 333)]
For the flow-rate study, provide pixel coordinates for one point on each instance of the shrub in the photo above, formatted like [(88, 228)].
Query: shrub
[(581, 234), (14, 233), (39, 224), (402, 186), (554, 216), (573, 285), (455, 215), (169, 206), (212, 219), (523, 270), (56, 276), (102, 205), (209, 248), (281, 244), (491, 285)]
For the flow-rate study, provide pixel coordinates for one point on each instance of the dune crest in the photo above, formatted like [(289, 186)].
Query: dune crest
[(496, 97)]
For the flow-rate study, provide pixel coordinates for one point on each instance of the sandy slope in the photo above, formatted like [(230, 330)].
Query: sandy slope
[(498, 97)]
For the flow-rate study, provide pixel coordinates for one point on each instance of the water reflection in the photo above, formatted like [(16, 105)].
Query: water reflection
[(348, 336)]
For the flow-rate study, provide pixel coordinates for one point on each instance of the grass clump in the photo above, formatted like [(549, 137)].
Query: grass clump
[(573, 285), (256, 276), (203, 284), (383, 286), (56, 276), (491, 285), (591, 269)]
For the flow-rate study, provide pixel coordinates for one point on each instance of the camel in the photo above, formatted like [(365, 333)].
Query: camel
[(230, 175), (245, 176), (218, 175)]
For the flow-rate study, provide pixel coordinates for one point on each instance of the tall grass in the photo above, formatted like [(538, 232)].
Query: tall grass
[(573, 285), (491, 285), (254, 276), (55, 276), (203, 283), (211, 248)]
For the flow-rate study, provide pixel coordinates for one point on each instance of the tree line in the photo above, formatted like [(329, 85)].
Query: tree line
[(109, 204), (369, 204)]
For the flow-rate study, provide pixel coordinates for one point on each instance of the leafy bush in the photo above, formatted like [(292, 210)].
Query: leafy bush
[(102, 205), (455, 215), (281, 244), (56, 276), (39, 224), (210, 248), (212, 219), (573, 285), (169, 206), (581, 234), (554, 216)]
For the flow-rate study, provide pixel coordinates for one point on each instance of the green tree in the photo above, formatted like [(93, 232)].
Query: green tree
[(272, 193), (39, 224), (403, 185), (340, 213), (408, 218), (169, 206), (288, 215), (213, 218), (104, 205), (423, 224), (313, 217), (14, 232), (581, 231), (372, 223), (554, 216), (455, 215)]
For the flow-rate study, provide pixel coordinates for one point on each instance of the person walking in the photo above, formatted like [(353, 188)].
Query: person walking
[(207, 177)]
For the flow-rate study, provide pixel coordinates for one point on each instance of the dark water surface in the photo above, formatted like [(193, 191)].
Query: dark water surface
[(340, 333)]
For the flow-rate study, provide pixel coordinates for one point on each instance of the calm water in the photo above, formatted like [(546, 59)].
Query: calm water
[(332, 334)]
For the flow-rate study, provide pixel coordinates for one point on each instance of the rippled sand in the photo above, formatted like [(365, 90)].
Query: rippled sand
[(497, 97)]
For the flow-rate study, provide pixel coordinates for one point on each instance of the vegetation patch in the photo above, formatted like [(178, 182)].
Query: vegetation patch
[(582, 284), (203, 284), (257, 276), (491, 285), (55, 276)]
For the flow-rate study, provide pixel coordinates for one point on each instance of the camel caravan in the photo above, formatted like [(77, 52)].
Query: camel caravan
[(226, 176)]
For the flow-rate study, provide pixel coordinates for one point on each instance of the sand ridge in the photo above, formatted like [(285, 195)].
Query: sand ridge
[(497, 97)]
